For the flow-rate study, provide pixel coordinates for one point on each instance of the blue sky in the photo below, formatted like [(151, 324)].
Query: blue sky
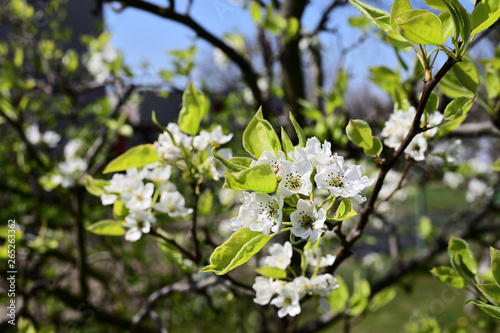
[(145, 37)]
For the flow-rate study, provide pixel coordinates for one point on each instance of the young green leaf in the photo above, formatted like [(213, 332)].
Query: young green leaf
[(260, 178), (360, 296), (194, 107), (437, 4), (259, 136), (447, 23), (376, 147), (95, 186), (378, 17), (432, 103), (420, 27), (287, 143), (398, 6), (360, 133), (491, 310), (382, 298), (242, 161), (106, 228), (461, 20), (491, 291), (461, 257), (236, 251), (467, 74), (135, 157), (451, 87), (271, 272), (230, 166), (119, 210), (448, 276), (495, 265), (300, 132), (484, 15), (344, 211), (458, 108), (339, 297), (492, 83)]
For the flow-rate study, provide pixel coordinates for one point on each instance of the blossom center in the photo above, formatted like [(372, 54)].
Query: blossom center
[(337, 181), (293, 182), (307, 220)]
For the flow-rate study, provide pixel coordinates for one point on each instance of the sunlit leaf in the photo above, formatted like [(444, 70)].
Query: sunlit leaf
[(135, 157)]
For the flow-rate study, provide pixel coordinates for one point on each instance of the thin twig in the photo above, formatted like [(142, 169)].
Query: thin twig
[(399, 185)]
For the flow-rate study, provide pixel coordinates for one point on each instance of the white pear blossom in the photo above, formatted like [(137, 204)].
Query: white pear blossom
[(72, 170), (121, 186), (139, 222), (315, 259), (343, 181), (213, 139), (51, 138), (453, 179), (220, 58), (97, 66), (295, 177), (314, 151), (72, 147), (265, 289), (287, 300), (173, 204), (158, 174), (141, 198), (302, 285), (166, 148), (451, 151), (271, 159), (280, 256), (323, 284), (268, 212), (33, 134), (477, 189), (398, 125), (307, 222), (246, 214)]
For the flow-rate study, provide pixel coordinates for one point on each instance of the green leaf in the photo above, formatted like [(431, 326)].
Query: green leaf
[(447, 23), (259, 136), (398, 6), (260, 178), (338, 298), (360, 297), (157, 123), (484, 15), (287, 143), (271, 272), (458, 108), (378, 17), (492, 83), (230, 166), (205, 202), (449, 126), (425, 228), (375, 149), (174, 256), (360, 133), (421, 27), (467, 74), (292, 28), (495, 265), (448, 276), (461, 257), (242, 161), (106, 228), (461, 20), (382, 298), (255, 12), (432, 103), (95, 186), (273, 22), (491, 291), (135, 157), (300, 132), (344, 211), (451, 87), (194, 107), (236, 251), (490, 310), (119, 210), (437, 4)]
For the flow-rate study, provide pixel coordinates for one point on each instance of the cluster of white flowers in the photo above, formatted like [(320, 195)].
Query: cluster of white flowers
[(71, 170), (135, 189), (288, 294), (98, 62), (171, 143), (398, 125), (35, 137), (263, 212)]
